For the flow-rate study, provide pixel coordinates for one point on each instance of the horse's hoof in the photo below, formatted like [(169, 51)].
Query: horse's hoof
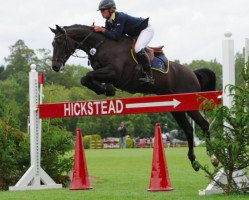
[(215, 162), (196, 166), (83, 80), (110, 90)]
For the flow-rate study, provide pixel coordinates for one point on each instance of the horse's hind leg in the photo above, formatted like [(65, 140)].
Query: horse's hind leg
[(204, 124), (201, 121), (183, 122)]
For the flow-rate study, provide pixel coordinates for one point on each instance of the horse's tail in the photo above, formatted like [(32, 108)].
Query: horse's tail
[(207, 79)]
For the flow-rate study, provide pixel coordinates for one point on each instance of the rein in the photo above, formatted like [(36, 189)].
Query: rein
[(72, 51), (79, 44)]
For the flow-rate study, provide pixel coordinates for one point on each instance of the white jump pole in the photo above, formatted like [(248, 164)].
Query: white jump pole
[(228, 71), (228, 68), (35, 177)]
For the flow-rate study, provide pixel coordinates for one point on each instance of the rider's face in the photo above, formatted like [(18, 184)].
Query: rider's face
[(105, 13)]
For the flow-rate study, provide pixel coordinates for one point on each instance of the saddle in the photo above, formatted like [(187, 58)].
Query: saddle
[(151, 51), (156, 56)]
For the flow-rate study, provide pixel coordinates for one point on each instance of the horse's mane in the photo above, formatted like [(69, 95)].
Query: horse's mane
[(89, 28), (84, 28), (78, 26)]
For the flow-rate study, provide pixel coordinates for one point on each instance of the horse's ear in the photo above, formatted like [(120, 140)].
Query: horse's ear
[(53, 30), (58, 28)]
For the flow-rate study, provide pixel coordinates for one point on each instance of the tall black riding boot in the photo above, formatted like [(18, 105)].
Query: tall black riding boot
[(145, 62)]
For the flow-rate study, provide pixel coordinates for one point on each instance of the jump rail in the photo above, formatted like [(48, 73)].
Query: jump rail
[(135, 105)]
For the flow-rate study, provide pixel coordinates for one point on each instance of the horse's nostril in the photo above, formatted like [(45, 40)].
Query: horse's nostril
[(55, 68)]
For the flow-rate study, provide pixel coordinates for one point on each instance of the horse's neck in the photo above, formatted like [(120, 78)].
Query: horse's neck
[(87, 37)]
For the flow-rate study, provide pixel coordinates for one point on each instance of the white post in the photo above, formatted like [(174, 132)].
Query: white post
[(228, 68), (246, 49), (228, 71), (35, 177)]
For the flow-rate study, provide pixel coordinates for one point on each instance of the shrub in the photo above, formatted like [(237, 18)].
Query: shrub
[(14, 155), (96, 137), (56, 159), (88, 138), (129, 143), (86, 141)]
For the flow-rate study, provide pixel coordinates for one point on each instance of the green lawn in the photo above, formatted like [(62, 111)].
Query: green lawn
[(125, 174)]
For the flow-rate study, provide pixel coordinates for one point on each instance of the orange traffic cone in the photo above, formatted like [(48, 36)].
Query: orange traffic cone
[(159, 180), (80, 180)]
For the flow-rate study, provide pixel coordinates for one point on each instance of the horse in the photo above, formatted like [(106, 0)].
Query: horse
[(114, 67)]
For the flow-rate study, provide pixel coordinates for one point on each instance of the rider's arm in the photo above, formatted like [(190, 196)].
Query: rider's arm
[(116, 31)]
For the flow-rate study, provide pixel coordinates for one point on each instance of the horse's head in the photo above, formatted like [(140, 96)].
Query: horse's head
[(63, 48), (68, 39)]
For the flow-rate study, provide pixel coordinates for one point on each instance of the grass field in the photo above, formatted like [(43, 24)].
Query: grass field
[(125, 174)]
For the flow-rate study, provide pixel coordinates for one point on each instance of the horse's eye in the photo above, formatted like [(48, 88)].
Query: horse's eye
[(58, 41)]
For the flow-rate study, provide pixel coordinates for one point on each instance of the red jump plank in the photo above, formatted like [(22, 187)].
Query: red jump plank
[(145, 104)]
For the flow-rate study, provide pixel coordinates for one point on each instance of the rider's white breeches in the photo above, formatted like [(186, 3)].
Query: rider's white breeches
[(144, 38)]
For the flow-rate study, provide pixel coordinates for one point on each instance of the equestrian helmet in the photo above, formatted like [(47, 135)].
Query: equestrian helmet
[(105, 4)]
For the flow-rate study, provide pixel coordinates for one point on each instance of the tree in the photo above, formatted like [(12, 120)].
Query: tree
[(1, 71), (239, 65), (18, 63), (14, 156), (230, 137), (69, 77), (44, 60), (11, 104)]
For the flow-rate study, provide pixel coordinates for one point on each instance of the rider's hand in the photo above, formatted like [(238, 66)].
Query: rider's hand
[(99, 29)]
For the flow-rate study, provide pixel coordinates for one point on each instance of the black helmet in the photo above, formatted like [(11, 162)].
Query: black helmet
[(105, 4)]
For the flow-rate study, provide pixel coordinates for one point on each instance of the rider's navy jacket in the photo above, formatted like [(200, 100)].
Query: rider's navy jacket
[(121, 24)]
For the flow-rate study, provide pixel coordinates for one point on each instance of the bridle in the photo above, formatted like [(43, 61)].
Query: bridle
[(69, 50)]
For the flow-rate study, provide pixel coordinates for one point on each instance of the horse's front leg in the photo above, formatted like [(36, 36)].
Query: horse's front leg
[(93, 85), (94, 79)]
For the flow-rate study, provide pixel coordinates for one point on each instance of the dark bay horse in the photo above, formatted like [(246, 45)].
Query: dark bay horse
[(113, 66)]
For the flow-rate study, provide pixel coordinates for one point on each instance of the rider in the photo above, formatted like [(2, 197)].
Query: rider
[(119, 24)]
